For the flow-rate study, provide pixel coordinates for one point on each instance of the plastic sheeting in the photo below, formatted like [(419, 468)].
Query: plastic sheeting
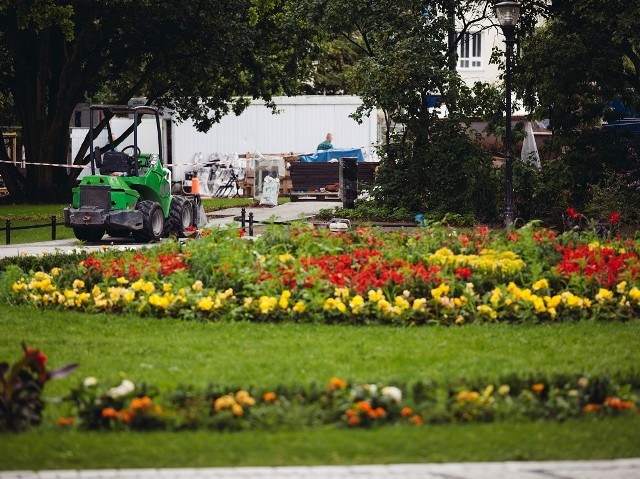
[(529, 153), (333, 154)]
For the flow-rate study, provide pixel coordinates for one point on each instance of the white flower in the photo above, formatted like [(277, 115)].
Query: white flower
[(125, 388), (89, 382), (392, 393)]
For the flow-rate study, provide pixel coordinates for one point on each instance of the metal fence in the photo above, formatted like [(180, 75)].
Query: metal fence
[(8, 228)]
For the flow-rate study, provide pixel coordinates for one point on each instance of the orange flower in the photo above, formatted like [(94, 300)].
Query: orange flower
[(109, 412), (142, 403), (353, 421), (406, 412), (337, 383), (364, 405), (237, 410), (372, 413), (381, 412), (125, 415), (65, 421), (591, 407), (537, 387), (618, 403), (417, 420), (269, 397), (351, 412)]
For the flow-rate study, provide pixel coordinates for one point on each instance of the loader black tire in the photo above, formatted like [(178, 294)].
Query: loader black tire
[(119, 233), (180, 216), (89, 234), (152, 222)]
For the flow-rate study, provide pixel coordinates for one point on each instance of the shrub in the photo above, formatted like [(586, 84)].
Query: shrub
[(21, 386), (436, 173)]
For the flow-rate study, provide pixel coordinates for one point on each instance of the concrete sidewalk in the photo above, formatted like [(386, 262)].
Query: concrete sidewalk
[(291, 211), (615, 469)]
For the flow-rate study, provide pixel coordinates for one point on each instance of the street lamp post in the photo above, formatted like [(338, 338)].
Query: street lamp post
[(508, 13)]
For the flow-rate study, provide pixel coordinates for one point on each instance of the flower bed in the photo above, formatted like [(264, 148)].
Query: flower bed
[(99, 406), (426, 276)]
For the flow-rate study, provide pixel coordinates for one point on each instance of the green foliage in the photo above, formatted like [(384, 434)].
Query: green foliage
[(447, 173), (597, 174), (21, 386), (603, 40), (366, 211), (45, 262), (201, 59)]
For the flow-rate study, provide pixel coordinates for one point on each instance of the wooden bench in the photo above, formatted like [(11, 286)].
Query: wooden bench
[(307, 179)]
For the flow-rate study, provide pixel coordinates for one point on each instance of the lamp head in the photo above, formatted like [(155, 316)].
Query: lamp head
[(508, 14)]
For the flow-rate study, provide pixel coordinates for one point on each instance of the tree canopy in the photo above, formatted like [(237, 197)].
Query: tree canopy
[(585, 57), (197, 57)]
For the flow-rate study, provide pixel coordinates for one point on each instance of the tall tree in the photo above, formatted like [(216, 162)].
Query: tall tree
[(199, 57), (407, 57), (586, 56)]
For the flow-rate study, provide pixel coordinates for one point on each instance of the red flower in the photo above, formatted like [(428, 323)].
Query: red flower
[(614, 218), (463, 273), (40, 356), (572, 213)]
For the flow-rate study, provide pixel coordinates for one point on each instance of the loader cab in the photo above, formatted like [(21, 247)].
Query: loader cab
[(128, 159)]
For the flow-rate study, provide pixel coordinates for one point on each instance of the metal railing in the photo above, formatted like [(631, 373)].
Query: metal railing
[(8, 228)]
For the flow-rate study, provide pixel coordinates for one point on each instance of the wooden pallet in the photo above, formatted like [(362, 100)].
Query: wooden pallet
[(314, 196), (307, 179)]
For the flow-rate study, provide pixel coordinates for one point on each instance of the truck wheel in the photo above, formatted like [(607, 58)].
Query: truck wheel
[(88, 234), (180, 216), (152, 222)]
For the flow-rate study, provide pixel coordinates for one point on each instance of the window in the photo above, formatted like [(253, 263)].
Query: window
[(470, 51)]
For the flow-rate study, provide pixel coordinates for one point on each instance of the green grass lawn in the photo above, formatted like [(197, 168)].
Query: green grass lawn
[(167, 353)]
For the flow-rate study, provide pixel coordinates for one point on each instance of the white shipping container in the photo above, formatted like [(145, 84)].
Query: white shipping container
[(301, 124)]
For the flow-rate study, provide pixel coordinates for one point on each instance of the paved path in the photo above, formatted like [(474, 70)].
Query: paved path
[(616, 469)]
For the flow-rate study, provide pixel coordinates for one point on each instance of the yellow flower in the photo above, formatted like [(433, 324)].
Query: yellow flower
[(621, 287), (419, 304), (205, 304), (604, 295), (237, 410), (440, 291), (158, 301), (356, 303), (285, 258), (540, 284), (197, 285), (166, 287), (375, 296), (341, 293), (299, 307), (267, 303), (284, 299), (122, 280), (401, 302), (55, 271), (384, 305), (78, 284), (487, 310)]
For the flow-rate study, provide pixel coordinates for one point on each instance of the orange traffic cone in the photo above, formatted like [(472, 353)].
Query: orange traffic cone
[(195, 185)]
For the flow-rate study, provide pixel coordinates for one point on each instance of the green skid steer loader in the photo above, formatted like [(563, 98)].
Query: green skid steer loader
[(130, 193)]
